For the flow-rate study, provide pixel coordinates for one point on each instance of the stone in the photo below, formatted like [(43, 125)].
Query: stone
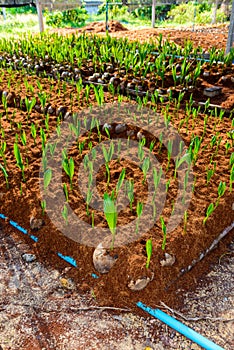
[(92, 78), (107, 126), (50, 110), (35, 223), (168, 261), (139, 284), (140, 136), (102, 260), (67, 283), (130, 133), (120, 128), (28, 257), (212, 91), (61, 111)]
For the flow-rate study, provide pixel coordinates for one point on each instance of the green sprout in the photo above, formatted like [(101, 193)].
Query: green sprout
[(111, 215), (164, 232), (209, 211), (149, 248)]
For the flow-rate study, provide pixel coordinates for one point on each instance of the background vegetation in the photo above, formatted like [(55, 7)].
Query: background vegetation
[(25, 18)]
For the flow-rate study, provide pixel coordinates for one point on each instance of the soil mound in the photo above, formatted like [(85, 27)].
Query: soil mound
[(98, 27)]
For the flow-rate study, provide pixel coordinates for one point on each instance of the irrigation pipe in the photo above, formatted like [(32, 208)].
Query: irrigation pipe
[(19, 228), (180, 327), (162, 316)]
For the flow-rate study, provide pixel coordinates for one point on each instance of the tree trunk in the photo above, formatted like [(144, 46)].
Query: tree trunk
[(40, 16), (214, 12), (225, 7), (153, 12), (230, 39)]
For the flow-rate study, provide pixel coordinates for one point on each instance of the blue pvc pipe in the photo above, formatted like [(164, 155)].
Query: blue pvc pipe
[(18, 227), (14, 224), (180, 327), (34, 238), (68, 259)]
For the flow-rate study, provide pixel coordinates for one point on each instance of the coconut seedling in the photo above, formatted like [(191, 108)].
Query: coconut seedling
[(139, 210), (65, 190), (169, 153), (2, 152), (42, 98), (47, 118), (180, 160), (157, 178), (19, 160), (221, 190), (108, 156), (29, 105), (43, 206), (47, 178), (43, 138), (5, 175), (34, 132), (145, 168), (209, 211), (89, 195), (69, 168), (111, 215), (120, 182), (164, 232), (65, 213), (130, 192), (99, 94), (149, 249), (81, 145), (231, 178)]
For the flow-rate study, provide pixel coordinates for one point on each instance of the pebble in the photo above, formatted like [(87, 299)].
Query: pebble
[(120, 128), (36, 224), (140, 136), (139, 284), (102, 261), (28, 257), (107, 126), (50, 110), (67, 283), (168, 261), (130, 133)]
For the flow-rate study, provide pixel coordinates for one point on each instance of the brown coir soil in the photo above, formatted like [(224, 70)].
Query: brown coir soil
[(22, 201), (205, 37)]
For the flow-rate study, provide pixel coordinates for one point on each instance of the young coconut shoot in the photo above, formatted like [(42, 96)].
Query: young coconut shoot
[(149, 248), (5, 175), (19, 160), (68, 166), (209, 211), (221, 191), (65, 214), (111, 215), (120, 182), (139, 210), (164, 232), (145, 168), (47, 178)]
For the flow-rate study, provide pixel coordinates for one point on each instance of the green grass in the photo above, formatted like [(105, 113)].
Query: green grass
[(19, 24)]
